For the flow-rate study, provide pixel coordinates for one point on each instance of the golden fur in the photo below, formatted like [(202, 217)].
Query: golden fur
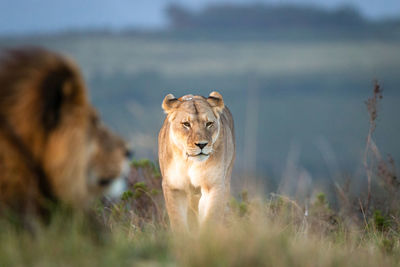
[(196, 153), (53, 148)]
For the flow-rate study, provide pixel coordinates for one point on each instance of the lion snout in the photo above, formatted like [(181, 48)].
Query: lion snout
[(201, 145), (198, 148)]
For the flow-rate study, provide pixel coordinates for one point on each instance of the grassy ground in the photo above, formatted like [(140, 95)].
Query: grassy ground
[(257, 233)]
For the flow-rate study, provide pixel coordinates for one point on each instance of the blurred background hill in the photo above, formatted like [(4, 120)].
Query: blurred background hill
[(294, 74)]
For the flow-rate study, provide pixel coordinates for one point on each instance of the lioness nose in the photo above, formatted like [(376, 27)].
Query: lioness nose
[(201, 145)]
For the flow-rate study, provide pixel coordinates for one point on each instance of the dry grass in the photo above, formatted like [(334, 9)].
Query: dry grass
[(272, 232)]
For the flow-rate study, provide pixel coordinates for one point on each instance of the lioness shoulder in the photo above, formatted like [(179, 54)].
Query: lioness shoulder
[(196, 154)]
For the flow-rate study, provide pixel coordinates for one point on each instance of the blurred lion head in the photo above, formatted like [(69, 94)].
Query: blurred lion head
[(53, 146)]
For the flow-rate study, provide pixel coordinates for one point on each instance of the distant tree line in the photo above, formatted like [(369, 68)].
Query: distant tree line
[(264, 17)]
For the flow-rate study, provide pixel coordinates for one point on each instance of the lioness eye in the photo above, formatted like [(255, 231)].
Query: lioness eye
[(209, 124), (186, 124)]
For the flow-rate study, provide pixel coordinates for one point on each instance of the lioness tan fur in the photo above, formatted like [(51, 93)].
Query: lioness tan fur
[(53, 146), (196, 154)]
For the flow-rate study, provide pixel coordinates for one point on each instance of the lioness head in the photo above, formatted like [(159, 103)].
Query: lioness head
[(195, 123)]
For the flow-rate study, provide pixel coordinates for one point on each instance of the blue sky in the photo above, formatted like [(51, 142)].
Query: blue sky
[(32, 16)]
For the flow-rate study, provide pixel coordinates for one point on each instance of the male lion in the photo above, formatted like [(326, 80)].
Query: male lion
[(53, 147), (196, 152)]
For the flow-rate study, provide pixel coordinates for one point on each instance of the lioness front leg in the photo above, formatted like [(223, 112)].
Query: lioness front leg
[(211, 205), (177, 206)]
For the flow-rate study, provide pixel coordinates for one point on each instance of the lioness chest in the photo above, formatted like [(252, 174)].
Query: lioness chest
[(184, 174)]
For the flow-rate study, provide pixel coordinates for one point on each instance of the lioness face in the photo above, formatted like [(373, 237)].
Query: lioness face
[(195, 124)]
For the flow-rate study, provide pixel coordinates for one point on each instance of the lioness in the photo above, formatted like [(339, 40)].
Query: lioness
[(196, 150), (53, 146)]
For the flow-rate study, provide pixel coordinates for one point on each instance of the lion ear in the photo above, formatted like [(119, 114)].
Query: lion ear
[(169, 103), (58, 89), (216, 102)]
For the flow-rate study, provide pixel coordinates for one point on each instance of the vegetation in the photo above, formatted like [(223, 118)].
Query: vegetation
[(264, 17), (266, 22)]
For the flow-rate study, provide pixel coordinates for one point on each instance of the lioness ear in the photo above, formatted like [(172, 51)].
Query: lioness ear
[(169, 103), (215, 100)]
